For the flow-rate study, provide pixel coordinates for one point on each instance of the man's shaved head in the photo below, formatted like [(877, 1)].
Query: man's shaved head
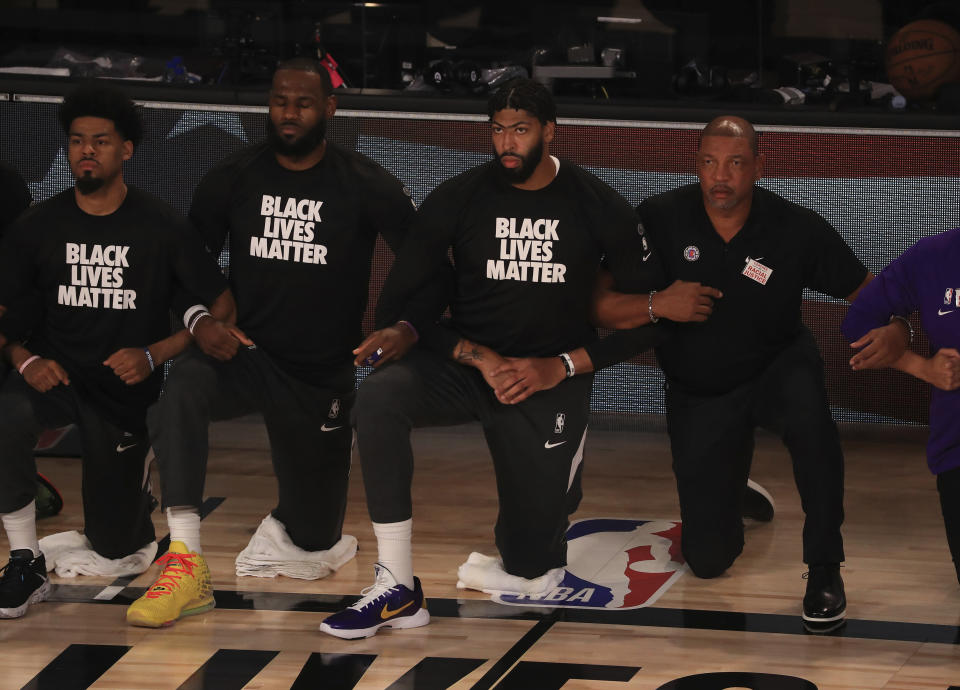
[(731, 126)]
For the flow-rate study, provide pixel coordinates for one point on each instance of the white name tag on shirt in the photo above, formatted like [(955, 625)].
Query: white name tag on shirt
[(754, 270)]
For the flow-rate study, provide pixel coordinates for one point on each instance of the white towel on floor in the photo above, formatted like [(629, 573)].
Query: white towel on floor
[(271, 553), (487, 574), (70, 554)]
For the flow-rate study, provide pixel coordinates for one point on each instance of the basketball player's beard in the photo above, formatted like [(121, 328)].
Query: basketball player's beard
[(300, 147), (88, 184), (528, 164)]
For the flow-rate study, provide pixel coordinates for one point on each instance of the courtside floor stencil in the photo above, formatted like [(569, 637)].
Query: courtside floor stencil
[(614, 563)]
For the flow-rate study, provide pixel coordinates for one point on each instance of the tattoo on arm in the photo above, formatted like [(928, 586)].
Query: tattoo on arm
[(472, 354)]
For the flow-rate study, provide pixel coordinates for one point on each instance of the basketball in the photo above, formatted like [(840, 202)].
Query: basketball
[(921, 57)]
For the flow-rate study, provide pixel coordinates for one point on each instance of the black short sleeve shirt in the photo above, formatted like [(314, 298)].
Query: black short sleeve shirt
[(762, 272)]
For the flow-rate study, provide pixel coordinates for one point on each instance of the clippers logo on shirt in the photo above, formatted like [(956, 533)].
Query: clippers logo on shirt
[(96, 277), (289, 230), (614, 563), (526, 251)]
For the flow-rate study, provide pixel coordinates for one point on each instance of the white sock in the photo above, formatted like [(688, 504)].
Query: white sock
[(21, 527), (395, 549), (184, 524)]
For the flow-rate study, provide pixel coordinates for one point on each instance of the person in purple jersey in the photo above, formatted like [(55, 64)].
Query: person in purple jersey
[(925, 279)]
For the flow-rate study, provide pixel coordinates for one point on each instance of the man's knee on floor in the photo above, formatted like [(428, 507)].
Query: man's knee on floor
[(710, 559), (530, 565), (113, 542), (531, 554)]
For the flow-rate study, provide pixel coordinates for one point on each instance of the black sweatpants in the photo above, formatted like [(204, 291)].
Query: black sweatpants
[(711, 438), (536, 445), (116, 507), (308, 427), (948, 486)]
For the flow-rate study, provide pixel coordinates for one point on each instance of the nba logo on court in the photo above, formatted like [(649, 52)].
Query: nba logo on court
[(614, 563), (334, 408), (558, 424)]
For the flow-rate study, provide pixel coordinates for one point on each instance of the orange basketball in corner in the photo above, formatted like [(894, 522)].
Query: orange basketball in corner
[(921, 57)]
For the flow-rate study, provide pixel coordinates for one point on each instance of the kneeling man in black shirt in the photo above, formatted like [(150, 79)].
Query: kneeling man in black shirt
[(753, 362), (527, 232), (96, 268)]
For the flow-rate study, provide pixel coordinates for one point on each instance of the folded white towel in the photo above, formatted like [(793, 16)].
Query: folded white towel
[(71, 554), (271, 553), (487, 574)]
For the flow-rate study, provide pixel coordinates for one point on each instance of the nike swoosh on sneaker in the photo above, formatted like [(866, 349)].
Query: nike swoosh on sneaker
[(941, 312), (553, 445), (121, 447), (386, 613), (330, 428)]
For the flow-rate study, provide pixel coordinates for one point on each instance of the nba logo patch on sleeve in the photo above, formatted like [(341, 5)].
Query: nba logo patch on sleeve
[(614, 563)]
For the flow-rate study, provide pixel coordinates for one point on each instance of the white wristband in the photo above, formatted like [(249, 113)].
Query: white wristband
[(568, 364), (197, 318), (187, 315), (27, 362)]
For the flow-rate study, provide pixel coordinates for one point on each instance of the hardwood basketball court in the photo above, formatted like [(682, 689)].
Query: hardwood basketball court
[(903, 613)]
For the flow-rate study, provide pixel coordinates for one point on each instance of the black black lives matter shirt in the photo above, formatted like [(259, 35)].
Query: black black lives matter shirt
[(107, 283), (526, 261), (301, 245), (754, 320)]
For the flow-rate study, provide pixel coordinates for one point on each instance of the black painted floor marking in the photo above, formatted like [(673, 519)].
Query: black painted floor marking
[(689, 619), (229, 669), (515, 652), (77, 667), (208, 506), (436, 673), (545, 675), (737, 679), (340, 671)]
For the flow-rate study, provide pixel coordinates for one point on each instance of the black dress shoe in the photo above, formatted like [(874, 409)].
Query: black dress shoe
[(825, 600)]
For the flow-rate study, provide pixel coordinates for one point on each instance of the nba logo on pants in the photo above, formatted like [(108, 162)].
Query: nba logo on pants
[(614, 563)]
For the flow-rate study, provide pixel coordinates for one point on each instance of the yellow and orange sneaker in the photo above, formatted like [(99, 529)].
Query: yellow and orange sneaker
[(183, 589)]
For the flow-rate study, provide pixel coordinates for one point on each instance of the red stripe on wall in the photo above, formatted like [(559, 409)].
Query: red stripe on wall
[(788, 154)]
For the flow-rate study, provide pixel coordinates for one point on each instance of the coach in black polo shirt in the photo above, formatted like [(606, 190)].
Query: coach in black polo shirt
[(753, 362)]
